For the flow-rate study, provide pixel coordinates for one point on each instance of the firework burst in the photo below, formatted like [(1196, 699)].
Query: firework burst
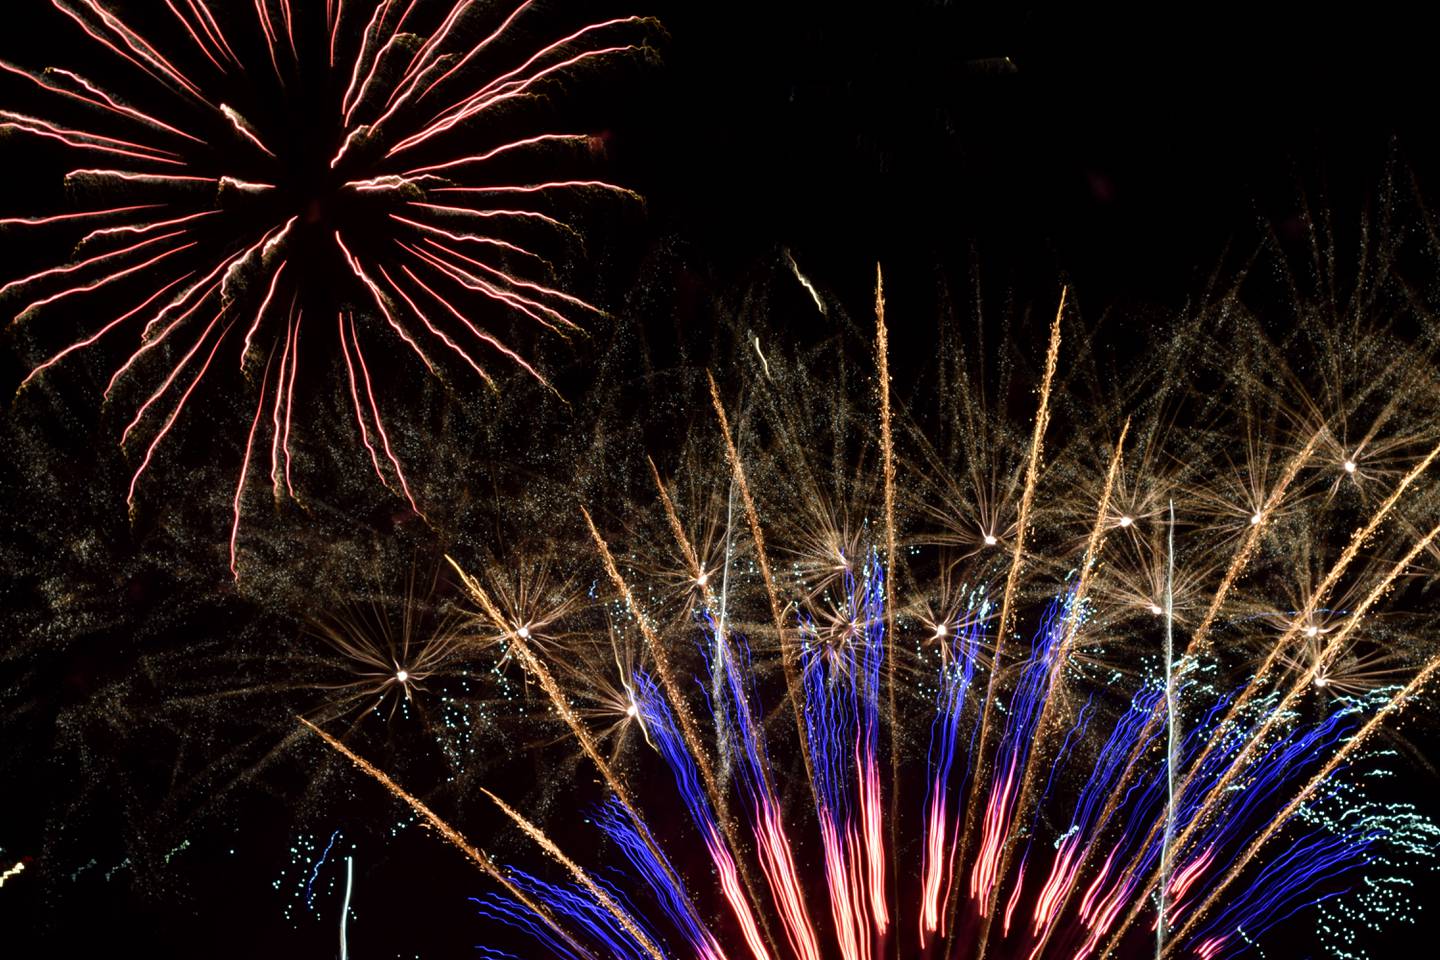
[(390, 655), (1088, 738), (292, 180)]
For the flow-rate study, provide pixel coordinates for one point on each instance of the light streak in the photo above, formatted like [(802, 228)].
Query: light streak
[(449, 833), (265, 183), (242, 127), (1090, 816), (1032, 465), (240, 484), (155, 443), (12, 872), (345, 906), (874, 850), (1172, 757), (315, 870), (605, 900), (805, 282)]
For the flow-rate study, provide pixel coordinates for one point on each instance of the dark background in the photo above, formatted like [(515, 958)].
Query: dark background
[(1121, 153)]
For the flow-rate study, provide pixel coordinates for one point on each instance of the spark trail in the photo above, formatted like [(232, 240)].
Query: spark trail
[(450, 834), (887, 450), (842, 698), (1122, 759), (1090, 820), (366, 171)]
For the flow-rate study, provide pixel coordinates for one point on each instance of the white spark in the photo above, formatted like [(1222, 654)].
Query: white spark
[(11, 872), (809, 287), (345, 907)]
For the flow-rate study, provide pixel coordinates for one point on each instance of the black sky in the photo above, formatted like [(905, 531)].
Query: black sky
[(1119, 152)]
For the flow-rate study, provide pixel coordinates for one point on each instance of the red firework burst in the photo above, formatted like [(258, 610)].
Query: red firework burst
[(359, 186)]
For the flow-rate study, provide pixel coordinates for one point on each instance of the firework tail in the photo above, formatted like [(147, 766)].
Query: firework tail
[(1337, 643), (1253, 686), (453, 836), (1072, 628), (688, 727), (657, 650), (713, 784), (788, 655), (1027, 498), (692, 559), (1397, 703), (536, 667), (1199, 639), (1171, 744), (1337, 570), (604, 899), (842, 705), (887, 449), (843, 699), (345, 907), (1334, 645), (777, 858)]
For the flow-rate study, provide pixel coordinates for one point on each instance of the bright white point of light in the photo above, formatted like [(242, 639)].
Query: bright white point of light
[(401, 675), (1254, 518), (1349, 466), (1155, 609), (990, 540), (11, 872), (1126, 521), (940, 630), (1311, 630), (632, 710), (1322, 682), (703, 579), (524, 633)]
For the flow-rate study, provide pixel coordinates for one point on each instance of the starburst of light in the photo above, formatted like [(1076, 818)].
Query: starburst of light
[(1185, 813), (280, 176)]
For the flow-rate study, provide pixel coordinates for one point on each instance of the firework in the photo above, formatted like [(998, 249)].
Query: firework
[(280, 180), (1089, 841), (927, 745), (389, 654)]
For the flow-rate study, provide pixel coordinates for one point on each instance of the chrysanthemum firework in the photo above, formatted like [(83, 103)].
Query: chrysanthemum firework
[(946, 688), (284, 181)]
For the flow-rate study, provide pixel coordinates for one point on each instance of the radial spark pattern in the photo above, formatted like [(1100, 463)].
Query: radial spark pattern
[(1116, 732), (262, 184), (1071, 846)]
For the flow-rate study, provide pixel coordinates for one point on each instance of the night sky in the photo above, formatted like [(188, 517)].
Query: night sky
[(1129, 156)]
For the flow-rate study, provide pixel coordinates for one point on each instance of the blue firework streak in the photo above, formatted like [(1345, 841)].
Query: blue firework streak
[(1070, 871)]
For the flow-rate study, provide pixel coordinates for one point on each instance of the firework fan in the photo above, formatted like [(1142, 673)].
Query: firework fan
[(1092, 706), (276, 182)]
